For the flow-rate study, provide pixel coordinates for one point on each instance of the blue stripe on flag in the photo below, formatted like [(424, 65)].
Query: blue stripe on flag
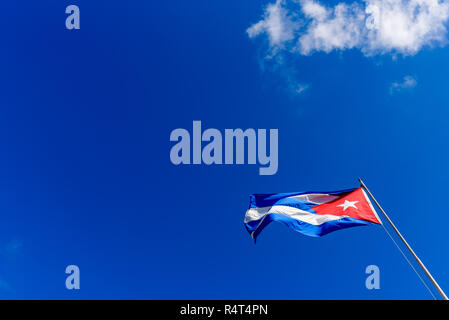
[(268, 200), (301, 226)]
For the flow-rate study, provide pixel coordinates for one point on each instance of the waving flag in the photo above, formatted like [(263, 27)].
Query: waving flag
[(311, 213)]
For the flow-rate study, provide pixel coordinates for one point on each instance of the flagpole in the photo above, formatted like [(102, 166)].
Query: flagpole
[(435, 284)]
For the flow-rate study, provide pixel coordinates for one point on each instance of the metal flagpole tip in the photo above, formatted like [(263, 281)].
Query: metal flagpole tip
[(361, 183)]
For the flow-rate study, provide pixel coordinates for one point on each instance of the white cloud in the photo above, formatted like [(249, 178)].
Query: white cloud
[(301, 87), (408, 82), (372, 26), (330, 29), (278, 23)]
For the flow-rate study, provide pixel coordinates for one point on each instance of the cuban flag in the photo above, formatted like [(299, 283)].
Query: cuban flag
[(311, 213)]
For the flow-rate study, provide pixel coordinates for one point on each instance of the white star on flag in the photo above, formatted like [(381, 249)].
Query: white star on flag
[(348, 204)]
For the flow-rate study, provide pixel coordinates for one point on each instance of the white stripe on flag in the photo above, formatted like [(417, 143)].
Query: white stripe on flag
[(295, 213), (317, 198)]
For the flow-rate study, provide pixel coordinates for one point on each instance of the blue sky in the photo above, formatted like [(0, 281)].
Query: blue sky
[(86, 178)]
